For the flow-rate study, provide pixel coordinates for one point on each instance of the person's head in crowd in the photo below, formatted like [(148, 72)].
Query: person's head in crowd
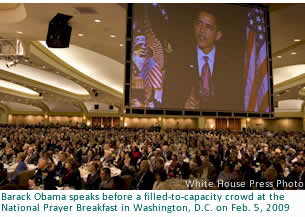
[(264, 166), (183, 149), (266, 149), (270, 174), (62, 156), (149, 149), (164, 148), (205, 161), (128, 157), (121, 146), (227, 169), (20, 157), (90, 153), (298, 167), (30, 150), (261, 156), (193, 163), (42, 163), (237, 147), (236, 175), (70, 162), (246, 160), (106, 147), (144, 167), (105, 174), (25, 147), (92, 167), (143, 150), (159, 164), (277, 166), (174, 158), (180, 158), (156, 153)]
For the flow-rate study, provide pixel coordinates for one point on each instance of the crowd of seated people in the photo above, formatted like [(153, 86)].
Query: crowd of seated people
[(55, 158)]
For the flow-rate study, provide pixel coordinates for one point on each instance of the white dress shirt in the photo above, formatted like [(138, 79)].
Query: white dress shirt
[(201, 61)]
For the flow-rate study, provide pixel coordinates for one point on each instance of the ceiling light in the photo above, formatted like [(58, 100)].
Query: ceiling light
[(296, 40), (97, 21), (293, 53), (43, 67), (57, 72), (80, 34), (121, 45), (19, 32), (112, 36), (279, 57)]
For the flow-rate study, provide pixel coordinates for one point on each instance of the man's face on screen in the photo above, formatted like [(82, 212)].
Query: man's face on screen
[(206, 32)]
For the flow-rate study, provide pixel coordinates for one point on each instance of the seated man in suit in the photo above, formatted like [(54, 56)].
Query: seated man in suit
[(20, 167), (106, 180), (207, 170), (93, 179), (60, 167), (43, 175), (32, 156), (204, 76)]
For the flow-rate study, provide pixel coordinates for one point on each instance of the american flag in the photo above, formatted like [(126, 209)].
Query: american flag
[(153, 76), (154, 73), (256, 89)]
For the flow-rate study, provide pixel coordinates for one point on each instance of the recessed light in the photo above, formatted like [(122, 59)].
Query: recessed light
[(293, 53), (80, 34), (112, 36), (19, 32), (296, 40), (44, 67), (121, 45), (279, 57), (97, 21)]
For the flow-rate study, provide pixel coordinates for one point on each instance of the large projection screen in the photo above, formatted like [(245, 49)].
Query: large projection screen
[(203, 57)]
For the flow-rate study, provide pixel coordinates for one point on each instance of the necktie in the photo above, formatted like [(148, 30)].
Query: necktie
[(205, 78)]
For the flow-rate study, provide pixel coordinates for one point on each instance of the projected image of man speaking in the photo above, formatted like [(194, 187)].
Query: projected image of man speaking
[(206, 34), (205, 69), (208, 57)]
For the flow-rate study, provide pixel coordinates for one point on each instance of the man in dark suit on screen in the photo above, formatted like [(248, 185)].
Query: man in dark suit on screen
[(208, 79)]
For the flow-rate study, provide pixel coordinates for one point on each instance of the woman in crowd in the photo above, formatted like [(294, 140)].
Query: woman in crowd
[(71, 176)]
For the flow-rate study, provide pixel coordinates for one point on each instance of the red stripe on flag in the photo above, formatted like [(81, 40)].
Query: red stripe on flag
[(249, 51), (265, 103), (153, 82), (157, 75), (157, 82), (262, 71)]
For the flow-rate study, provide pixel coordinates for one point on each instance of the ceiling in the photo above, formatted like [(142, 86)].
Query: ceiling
[(91, 71)]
